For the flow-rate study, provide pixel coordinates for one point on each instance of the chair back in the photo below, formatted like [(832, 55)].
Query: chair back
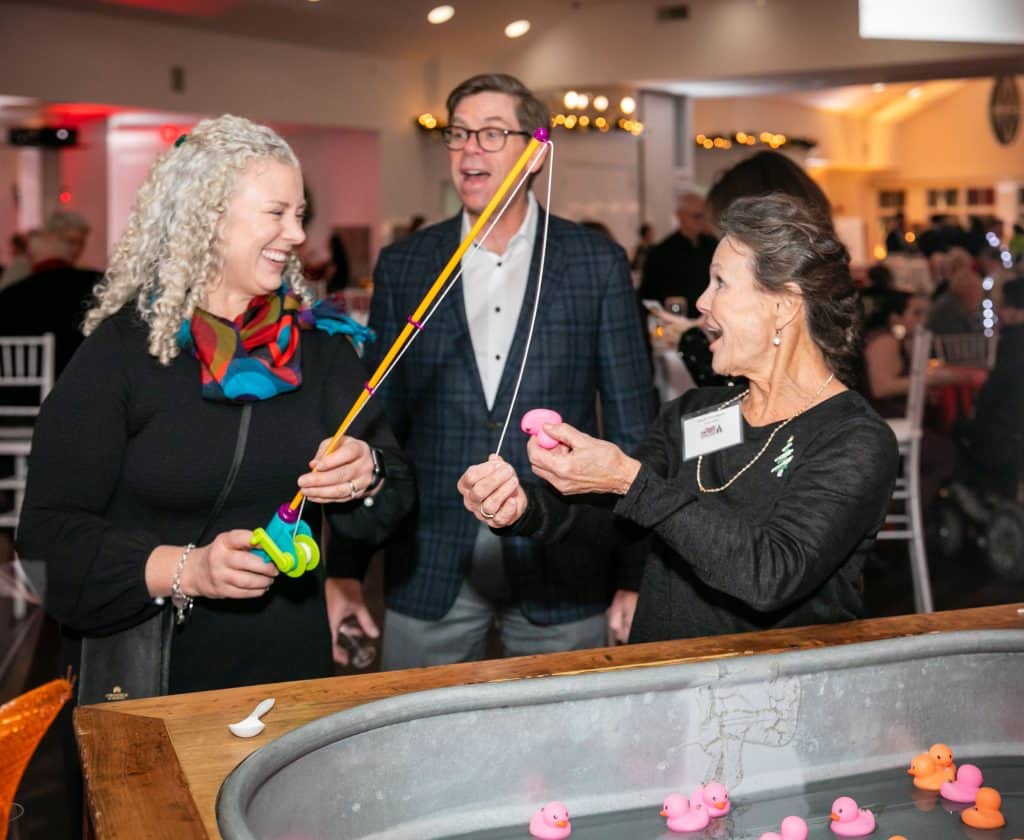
[(26, 363), (920, 353), (965, 349)]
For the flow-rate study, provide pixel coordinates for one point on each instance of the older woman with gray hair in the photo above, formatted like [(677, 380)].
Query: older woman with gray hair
[(762, 504), (204, 357)]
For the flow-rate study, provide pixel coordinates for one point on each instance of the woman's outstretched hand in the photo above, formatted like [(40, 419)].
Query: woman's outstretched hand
[(492, 493), (581, 463)]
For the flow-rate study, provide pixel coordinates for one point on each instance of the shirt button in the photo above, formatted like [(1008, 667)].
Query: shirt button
[(497, 309), (499, 265), (497, 357), (491, 425)]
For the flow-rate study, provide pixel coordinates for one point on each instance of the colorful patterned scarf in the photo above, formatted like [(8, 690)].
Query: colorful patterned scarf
[(256, 356)]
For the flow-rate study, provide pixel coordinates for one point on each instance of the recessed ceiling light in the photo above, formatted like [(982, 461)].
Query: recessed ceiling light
[(627, 105), (517, 29), (441, 14), (878, 87)]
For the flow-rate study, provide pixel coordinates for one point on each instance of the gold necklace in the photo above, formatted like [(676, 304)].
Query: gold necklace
[(767, 443)]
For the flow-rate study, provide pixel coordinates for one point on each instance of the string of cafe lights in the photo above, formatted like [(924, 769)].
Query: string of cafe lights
[(770, 139)]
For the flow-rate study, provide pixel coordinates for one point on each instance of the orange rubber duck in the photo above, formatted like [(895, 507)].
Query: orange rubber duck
[(927, 774), (943, 758), (985, 813)]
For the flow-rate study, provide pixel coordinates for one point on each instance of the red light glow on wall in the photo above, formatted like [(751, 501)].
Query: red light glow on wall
[(64, 197)]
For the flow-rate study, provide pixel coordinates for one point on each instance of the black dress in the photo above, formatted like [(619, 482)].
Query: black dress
[(127, 455), (779, 548)]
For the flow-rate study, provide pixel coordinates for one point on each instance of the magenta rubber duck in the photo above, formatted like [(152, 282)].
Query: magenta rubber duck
[(715, 797), (533, 424), (551, 822), (792, 828), (965, 788), (684, 816), (849, 820)]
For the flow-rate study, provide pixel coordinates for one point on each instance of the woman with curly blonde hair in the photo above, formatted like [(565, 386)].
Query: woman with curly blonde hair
[(201, 320)]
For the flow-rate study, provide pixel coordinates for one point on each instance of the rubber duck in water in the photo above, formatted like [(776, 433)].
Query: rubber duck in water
[(965, 788), (715, 797), (551, 822), (927, 775), (792, 828), (684, 816), (849, 820), (985, 813), (943, 758)]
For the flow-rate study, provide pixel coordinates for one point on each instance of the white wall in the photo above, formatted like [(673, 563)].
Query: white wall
[(96, 58)]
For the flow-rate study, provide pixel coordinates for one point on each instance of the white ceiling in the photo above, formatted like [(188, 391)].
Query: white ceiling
[(386, 28)]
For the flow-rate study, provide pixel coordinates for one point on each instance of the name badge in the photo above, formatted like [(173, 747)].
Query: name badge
[(717, 429)]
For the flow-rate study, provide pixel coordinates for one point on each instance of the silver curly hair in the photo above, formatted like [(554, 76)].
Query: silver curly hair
[(172, 248)]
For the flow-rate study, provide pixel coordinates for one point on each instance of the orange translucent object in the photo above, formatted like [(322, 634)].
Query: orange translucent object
[(985, 813), (23, 722)]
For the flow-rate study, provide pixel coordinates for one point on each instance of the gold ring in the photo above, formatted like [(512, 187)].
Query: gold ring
[(485, 514), (352, 487)]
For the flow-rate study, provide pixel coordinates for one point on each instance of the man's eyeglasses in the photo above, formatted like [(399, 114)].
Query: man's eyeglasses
[(489, 139)]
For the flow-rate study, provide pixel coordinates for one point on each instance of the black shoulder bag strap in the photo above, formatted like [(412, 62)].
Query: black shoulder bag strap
[(236, 463)]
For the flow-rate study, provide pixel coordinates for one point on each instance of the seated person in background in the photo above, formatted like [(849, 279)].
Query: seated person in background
[(204, 310), (52, 298), (958, 308), (888, 337), (996, 434), (767, 530)]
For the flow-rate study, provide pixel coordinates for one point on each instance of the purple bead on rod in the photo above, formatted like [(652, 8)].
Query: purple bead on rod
[(541, 135), (287, 514)]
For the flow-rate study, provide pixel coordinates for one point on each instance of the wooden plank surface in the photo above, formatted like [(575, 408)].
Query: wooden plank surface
[(175, 757)]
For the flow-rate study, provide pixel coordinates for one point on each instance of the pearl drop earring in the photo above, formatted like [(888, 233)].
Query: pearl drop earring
[(778, 338)]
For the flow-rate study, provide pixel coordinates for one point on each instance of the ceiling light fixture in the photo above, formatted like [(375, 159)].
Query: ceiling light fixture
[(878, 87), (600, 102), (441, 14), (517, 29), (627, 105)]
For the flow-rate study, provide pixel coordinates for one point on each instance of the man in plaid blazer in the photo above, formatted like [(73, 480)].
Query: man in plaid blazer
[(447, 579)]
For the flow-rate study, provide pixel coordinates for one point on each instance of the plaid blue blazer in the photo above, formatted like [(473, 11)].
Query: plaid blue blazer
[(587, 342)]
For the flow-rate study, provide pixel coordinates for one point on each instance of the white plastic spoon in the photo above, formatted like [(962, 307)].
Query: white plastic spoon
[(252, 725)]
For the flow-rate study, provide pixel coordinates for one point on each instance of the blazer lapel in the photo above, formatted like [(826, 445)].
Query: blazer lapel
[(451, 314)]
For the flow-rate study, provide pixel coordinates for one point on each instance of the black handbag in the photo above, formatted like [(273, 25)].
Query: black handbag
[(136, 662)]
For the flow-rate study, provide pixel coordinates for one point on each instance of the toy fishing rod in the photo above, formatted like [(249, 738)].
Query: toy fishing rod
[(287, 541)]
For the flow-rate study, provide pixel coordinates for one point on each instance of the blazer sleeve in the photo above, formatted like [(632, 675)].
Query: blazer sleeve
[(95, 570), (626, 391)]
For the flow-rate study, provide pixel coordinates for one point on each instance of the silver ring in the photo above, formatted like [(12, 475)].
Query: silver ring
[(485, 514), (352, 487)]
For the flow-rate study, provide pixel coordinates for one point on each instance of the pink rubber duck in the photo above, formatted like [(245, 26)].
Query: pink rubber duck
[(682, 816), (943, 758), (551, 822), (848, 820), (715, 798), (927, 774), (533, 424), (965, 788), (792, 828)]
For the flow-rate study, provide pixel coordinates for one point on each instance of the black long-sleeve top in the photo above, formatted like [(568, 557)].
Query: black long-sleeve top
[(770, 551), (127, 455)]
